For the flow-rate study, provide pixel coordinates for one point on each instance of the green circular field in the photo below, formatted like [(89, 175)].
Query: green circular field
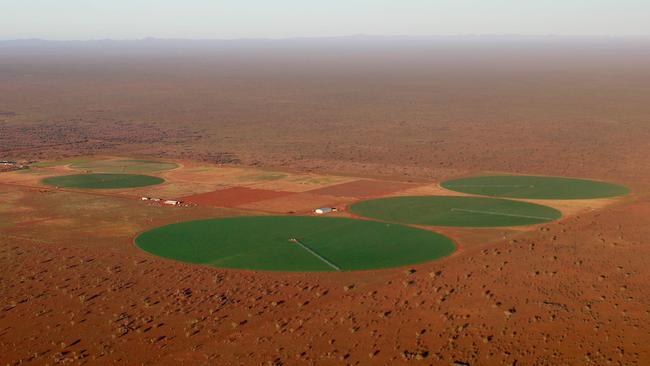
[(535, 187), (455, 211), (295, 243), (102, 181), (123, 166)]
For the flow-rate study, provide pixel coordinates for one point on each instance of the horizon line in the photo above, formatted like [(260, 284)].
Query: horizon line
[(350, 36)]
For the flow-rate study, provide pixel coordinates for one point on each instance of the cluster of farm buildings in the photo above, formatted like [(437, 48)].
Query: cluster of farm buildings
[(8, 165), (165, 202)]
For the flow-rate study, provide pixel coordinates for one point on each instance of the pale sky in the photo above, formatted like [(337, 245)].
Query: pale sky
[(212, 19)]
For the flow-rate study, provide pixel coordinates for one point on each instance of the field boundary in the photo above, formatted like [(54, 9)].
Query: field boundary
[(491, 185), (337, 268)]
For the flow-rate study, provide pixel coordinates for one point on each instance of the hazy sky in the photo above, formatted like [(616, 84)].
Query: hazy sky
[(119, 19)]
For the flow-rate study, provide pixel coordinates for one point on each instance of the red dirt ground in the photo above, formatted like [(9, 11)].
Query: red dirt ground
[(572, 292), (233, 197), (75, 290), (295, 203), (363, 188)]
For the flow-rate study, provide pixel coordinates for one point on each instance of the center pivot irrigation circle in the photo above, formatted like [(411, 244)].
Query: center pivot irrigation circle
[(535, 187), (455, 211), (102, 181), (295, 243)]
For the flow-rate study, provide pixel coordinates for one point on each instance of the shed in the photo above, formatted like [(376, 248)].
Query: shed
[(324, 210)]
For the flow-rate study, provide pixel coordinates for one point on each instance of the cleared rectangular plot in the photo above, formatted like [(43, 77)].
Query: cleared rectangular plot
[(233, 197), (364, 188), (297, 202), (176, 189), (216, 174), (302, 182)]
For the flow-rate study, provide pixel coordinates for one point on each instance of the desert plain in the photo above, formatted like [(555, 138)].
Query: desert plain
[(282, 127)]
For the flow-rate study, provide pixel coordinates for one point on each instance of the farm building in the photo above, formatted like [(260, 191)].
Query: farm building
[(162, 201), (7, 165), (324, 210)]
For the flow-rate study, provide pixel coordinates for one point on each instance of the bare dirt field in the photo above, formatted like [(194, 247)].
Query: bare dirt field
[(571, 292), (301, 203), (232, 197), (363, 188)]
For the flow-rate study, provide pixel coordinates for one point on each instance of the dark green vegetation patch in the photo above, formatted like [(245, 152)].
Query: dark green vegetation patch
[(123, 166), (455, 211), (290, 243), (102, 181), (535, 187)]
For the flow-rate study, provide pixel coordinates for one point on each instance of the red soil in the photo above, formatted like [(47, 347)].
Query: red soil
[(233, 197), (573, 292), (295, 203)]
